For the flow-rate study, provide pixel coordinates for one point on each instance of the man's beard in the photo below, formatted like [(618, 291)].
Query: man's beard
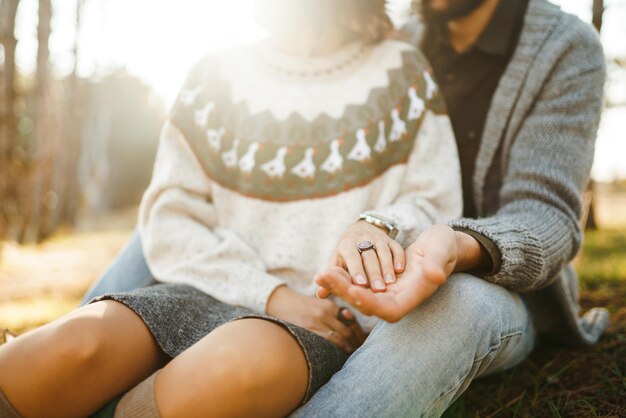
[(456, 9)]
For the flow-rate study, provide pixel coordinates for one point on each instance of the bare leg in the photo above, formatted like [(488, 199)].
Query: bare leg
[(73, 366), (249, 367)]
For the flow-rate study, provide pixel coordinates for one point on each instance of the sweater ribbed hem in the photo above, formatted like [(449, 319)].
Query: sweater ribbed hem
[(6, 409), (139, 402)]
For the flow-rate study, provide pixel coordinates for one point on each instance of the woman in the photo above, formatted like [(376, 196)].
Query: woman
[(272, 151)]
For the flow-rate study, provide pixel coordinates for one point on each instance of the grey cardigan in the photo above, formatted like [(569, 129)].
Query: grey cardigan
[(533, 165)]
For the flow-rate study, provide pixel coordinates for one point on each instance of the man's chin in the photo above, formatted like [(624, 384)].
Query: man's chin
[(455, 9)]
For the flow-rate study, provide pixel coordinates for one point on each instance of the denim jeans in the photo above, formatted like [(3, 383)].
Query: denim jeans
[(417, 367), (128, 272)]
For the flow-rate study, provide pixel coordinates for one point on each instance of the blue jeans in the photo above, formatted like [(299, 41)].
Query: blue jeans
[(416, 367)]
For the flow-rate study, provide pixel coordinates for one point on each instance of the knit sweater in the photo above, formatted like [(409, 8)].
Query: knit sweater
[(533, 166), (268, 158)]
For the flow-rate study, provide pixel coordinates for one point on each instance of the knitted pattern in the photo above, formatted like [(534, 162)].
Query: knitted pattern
[(542, 128), (260, 171)]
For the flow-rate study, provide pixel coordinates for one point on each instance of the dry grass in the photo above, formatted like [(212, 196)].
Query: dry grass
[(556, 382)]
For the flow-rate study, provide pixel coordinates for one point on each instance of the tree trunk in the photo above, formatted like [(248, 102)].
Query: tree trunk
[(598, 14), (590, 223), (70, 197), (37, 222), (8, 120)]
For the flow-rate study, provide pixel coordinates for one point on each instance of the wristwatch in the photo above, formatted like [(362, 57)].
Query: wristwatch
[(381, 222)]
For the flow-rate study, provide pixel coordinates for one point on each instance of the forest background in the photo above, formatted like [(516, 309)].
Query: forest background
[(84, 88)]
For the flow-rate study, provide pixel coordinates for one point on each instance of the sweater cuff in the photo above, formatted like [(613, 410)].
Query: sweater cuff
[(260, 295), (521, 254), (489, 246)]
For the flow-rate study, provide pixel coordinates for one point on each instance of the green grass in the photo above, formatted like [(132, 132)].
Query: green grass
[(556, 382)]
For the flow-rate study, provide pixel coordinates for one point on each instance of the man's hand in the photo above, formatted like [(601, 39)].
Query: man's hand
[(321, 317), (437, 253)]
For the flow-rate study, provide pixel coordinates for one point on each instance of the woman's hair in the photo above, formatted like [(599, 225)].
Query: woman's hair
[(366, 19)]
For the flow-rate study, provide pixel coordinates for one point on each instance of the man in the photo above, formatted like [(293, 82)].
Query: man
[(524, 84)]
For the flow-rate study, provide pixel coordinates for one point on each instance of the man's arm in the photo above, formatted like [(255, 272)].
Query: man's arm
[(536, 231)]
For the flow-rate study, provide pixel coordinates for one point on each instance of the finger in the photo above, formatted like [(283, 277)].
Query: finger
[(359, 335), (372, 268), (357, 331), (335, 338), (399, 256), (336, 261), (322, 293), (345, 332), (334, 282), (341, 287), (381, 305), (385, 259), (354, 265)]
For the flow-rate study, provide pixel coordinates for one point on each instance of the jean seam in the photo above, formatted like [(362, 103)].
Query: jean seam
[(489, 351)]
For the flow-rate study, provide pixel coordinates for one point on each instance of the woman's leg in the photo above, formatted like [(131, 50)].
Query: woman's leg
[(249, 367), (73, 366)]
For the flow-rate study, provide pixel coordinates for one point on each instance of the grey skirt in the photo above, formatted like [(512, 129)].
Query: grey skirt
[(178, 316)]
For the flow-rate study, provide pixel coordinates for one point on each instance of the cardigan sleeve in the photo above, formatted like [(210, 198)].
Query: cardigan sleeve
[(537, 230), (181, 237), (431, 190)]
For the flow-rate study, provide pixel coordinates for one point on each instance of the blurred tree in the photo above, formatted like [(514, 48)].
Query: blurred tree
[(590, 222), (8, 120)]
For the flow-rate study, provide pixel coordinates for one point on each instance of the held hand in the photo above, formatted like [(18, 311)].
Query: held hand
[(322, 317), (430, 260), (372, 268)]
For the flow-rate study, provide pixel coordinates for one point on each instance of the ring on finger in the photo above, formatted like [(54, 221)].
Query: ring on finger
[(365, 246), (331, 333)]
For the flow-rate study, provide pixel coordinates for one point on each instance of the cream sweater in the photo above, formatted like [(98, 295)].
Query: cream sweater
[(267, 159)]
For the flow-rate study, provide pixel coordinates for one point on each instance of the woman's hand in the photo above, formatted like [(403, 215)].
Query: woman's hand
[(430, 260), (322, 317), (371, 268)]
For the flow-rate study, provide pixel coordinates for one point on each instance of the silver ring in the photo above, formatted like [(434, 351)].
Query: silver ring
[(365, 246), (331, 333)]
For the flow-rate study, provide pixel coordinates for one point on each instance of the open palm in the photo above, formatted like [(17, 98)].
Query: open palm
[(430, 260)]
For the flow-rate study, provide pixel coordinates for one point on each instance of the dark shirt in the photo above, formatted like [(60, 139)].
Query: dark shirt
[(468, 81)]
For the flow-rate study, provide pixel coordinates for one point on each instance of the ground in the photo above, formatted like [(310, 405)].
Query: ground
[(40, 283)]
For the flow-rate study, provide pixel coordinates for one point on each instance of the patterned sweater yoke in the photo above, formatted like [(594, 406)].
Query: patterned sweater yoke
[(268, 158)]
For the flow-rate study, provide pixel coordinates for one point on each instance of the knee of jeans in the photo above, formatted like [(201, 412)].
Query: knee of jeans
[(470, 302)]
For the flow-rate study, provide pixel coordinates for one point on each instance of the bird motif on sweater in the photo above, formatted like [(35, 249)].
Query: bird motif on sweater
[(417, 106), (230, 157), (361, 150), (188, 97), (214, 137), (381, 142), (202, 115), (398, 129), (276, 168), (306, 168), (334, 162), (247, 162), (431, 86)]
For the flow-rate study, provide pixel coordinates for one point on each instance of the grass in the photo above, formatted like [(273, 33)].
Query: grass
[(556, 382)]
